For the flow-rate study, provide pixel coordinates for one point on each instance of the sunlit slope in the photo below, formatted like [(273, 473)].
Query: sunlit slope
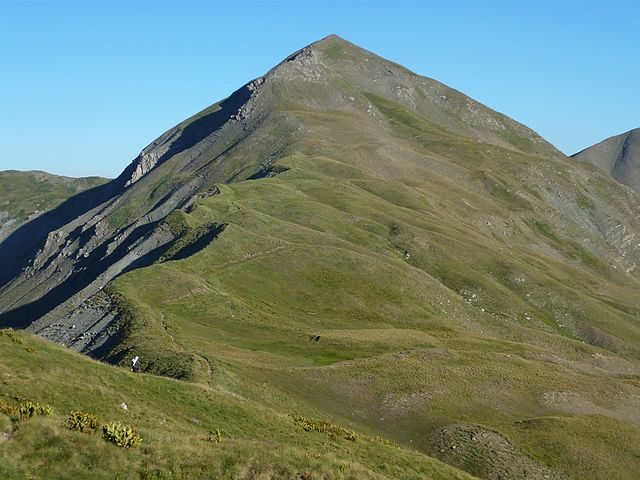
[(417, 302), (175, 420), (465, 298)]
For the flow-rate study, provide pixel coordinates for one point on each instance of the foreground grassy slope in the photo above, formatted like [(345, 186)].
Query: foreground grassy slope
[(175, 420), (416, 333), (397, 351)]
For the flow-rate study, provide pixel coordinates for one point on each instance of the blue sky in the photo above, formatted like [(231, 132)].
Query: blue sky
[(85, 85)]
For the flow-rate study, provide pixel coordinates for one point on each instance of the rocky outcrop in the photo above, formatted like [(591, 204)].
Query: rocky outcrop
[(60, 259)]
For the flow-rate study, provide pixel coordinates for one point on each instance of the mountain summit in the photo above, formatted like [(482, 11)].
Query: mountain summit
[(58, 261), (345, 238)]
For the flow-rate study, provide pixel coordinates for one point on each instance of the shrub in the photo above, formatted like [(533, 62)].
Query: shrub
[(323, 426), (215, 436), (121, 435), (7, 408), (351, 435), (384, 441), (12, 335), (82, 421), (30, 409)]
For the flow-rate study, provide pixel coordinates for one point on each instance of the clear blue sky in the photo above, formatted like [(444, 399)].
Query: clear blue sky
[(85, 85)]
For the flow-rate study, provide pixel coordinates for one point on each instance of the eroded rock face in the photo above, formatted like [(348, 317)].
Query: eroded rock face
[(90, 328), (152, 154), (144, 164)]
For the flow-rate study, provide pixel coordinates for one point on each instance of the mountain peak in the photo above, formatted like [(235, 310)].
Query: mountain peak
[(329, 38), (326, 99), (335, 40), (618, 156), (344, 232)]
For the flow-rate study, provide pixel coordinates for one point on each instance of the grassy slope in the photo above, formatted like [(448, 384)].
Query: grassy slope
[(25, 193), (405, 346), (453, 279), (174, 420)]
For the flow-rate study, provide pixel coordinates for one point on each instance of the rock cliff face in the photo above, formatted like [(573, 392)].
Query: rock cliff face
[(67, 255), (619, 156)]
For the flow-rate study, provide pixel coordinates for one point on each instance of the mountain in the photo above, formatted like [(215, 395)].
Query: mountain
[(24, 195), (619, 156), (91, 239), (346, 240)]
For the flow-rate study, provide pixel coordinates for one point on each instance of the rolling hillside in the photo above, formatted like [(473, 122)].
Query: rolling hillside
[(177, 422), (344, 239)]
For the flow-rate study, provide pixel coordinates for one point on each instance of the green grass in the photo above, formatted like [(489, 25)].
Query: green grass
[(175, 420), (590, 446), (405, 347), (435, 301)]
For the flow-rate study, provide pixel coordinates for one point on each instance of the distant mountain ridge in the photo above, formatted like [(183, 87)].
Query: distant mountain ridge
[(619, 156), (24, 195)]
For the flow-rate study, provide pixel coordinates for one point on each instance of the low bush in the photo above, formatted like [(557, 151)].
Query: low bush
[(323, 426), (31, 409), (121, 435), (7, 408), (82, 421), (215, 436), (12, 335)]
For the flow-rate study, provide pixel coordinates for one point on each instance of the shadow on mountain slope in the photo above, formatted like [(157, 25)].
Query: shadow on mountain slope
[(87, 270), (20, 247), (202, 127)]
